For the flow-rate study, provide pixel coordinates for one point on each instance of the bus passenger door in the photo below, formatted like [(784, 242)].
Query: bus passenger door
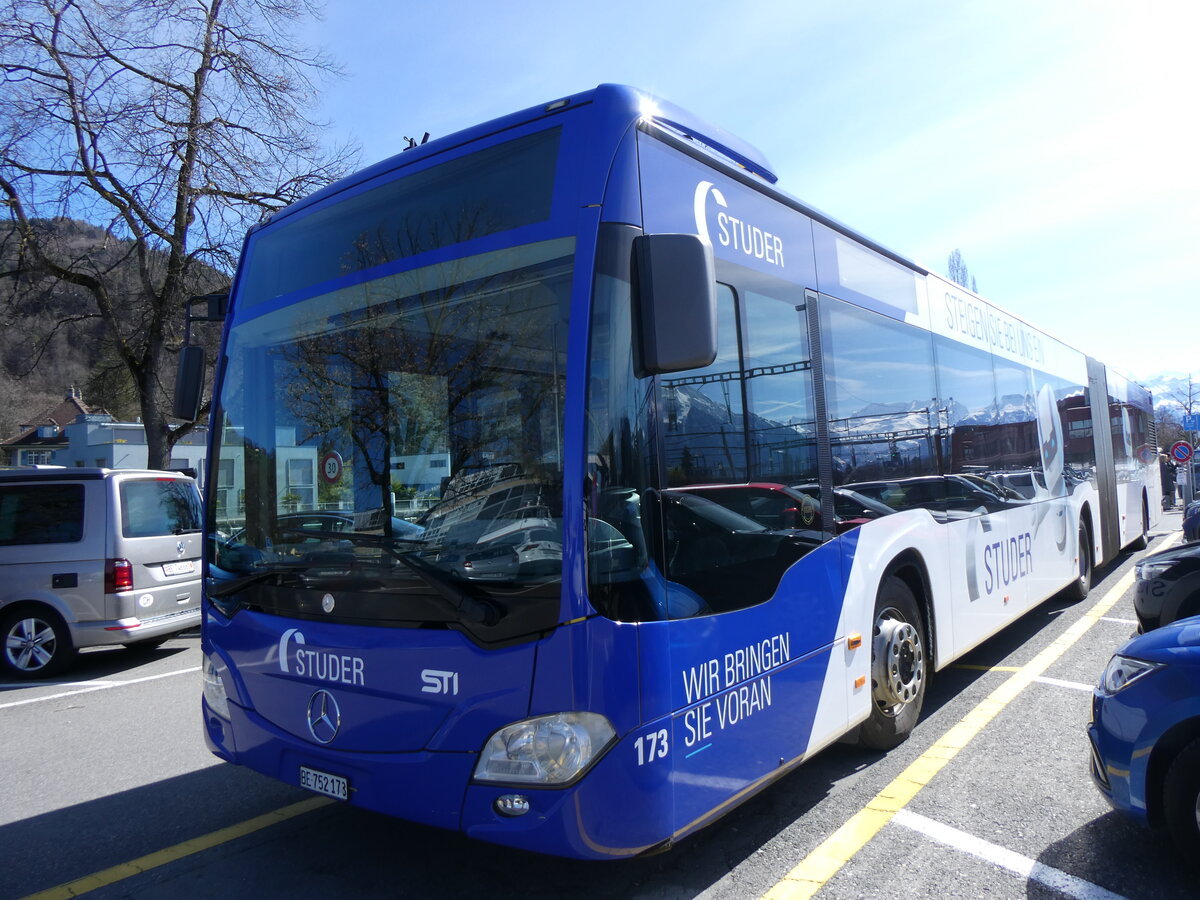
[(755, 589)]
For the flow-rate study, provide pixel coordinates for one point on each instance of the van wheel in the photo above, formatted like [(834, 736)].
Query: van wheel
[(1078, 589), (36, 643), (898, 667)]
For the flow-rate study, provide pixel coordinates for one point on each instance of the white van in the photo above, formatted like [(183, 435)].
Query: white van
[(94, 557)]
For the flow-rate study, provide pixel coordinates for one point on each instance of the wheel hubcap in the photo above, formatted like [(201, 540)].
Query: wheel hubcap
[(30, 644), (898, 663)]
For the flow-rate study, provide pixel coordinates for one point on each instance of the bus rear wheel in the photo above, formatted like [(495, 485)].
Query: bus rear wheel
[(899, 667)]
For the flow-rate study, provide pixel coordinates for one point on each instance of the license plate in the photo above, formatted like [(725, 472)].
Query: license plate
[(187, 567), (323, 783)]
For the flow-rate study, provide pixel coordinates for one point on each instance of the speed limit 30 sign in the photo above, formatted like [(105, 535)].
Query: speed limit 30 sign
[(331, 467)]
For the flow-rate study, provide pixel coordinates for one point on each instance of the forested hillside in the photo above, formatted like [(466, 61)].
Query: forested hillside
[(51, 336)]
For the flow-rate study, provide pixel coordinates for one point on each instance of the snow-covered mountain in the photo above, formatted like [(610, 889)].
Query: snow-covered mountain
[(1173, 389)]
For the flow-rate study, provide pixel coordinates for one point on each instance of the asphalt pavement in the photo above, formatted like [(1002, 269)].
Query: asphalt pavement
[(109, 791)]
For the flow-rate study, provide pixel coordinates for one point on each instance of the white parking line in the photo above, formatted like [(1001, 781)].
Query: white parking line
[(1058, 682), (1055, 879), (92, 686), (1119, 621)]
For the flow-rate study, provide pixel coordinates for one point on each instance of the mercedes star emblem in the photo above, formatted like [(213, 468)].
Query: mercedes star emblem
[(324, 717)]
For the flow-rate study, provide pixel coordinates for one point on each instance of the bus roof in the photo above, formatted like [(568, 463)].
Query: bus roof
[(622, 104)]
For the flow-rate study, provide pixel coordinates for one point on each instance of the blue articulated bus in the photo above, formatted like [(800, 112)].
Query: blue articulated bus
[(570, 483)]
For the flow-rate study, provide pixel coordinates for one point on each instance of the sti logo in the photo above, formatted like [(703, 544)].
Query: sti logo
[(436, 681), (732, 231)]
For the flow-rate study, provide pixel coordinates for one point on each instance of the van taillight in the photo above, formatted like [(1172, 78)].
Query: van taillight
[(118, 576)]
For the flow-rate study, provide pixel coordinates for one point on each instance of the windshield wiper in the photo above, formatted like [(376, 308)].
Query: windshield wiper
[(469, 606), (355, 537), (264, 571)]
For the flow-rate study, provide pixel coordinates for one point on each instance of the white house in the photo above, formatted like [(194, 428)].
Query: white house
[(97, 439)]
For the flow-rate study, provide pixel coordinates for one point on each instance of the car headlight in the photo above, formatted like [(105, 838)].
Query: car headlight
[(549, 750), (1148, 571), (1122, 671), (214, 688)]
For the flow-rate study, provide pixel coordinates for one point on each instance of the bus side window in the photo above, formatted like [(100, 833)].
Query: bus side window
[(701, 425), (883, 408), (737, 436)]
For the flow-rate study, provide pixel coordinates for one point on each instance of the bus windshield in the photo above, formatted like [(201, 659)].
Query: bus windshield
[(396, 443)]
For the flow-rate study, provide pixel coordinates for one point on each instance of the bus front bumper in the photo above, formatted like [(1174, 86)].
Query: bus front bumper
[(436, 788)]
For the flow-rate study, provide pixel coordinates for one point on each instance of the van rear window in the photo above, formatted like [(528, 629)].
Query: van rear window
[(152, 508), (41, 514)]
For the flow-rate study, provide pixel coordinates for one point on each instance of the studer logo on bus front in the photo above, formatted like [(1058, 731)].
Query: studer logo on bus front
[(733, 231), (323, 665)]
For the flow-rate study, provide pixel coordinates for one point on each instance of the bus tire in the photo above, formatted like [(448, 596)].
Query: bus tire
[(1181, 799), (1082, 585), (899, 667)]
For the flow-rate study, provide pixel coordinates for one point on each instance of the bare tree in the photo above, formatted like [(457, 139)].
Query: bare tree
[(1187, 396), (1168, 427), (174, 124), (958, 271)]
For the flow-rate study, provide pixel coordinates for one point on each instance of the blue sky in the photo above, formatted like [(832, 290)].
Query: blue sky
[(1055, 144)]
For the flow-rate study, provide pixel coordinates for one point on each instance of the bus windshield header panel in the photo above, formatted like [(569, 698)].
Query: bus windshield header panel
[(482, 193)]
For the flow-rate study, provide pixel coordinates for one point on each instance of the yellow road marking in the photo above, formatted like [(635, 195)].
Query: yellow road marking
[(827, 859), (179, 851)]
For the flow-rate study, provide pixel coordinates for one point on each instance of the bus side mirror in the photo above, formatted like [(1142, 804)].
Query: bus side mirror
[(189, 379), (189, 383), (674, 303)]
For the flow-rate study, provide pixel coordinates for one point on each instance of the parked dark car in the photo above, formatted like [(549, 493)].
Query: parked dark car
[(1168, 586), (953, 494), (773, 506), (798, 507), (300, 534), (1145, 732), (1191, 521)]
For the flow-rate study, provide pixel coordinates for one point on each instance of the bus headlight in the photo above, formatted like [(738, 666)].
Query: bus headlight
[(214, 688), (551, 750)]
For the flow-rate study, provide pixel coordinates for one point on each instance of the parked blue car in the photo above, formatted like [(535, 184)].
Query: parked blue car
[(1145, 731)]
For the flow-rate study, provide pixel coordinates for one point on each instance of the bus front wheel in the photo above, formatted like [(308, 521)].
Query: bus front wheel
[(1082, 585), (899, 667)]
